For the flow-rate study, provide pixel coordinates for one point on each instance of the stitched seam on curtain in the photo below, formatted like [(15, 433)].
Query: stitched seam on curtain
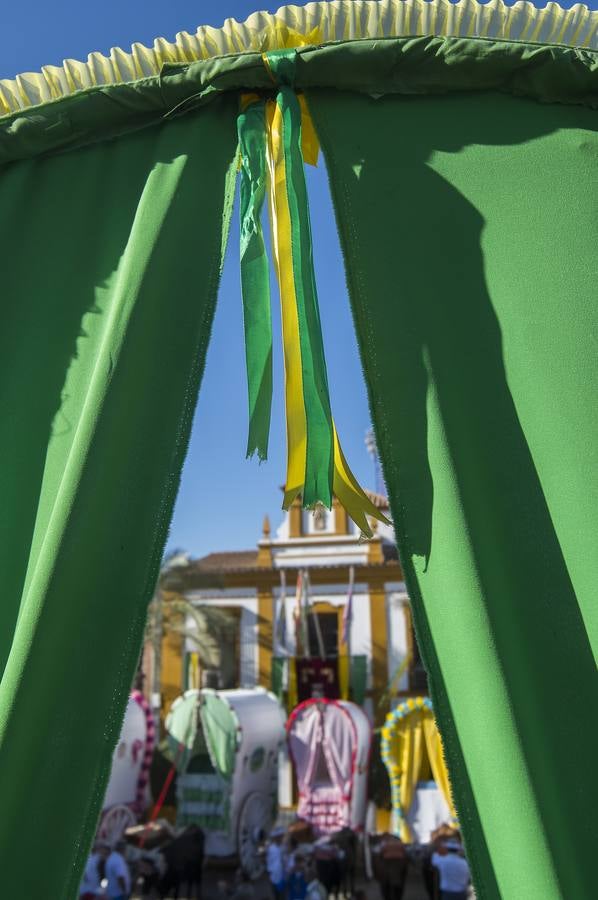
[(169, 493)]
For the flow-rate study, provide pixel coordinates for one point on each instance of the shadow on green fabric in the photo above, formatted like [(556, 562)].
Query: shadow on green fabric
[(444, 223), (84, 257), (116, 252)]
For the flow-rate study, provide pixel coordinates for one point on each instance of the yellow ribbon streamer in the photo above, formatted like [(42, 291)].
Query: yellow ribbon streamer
[(345, 486), (282, 250)]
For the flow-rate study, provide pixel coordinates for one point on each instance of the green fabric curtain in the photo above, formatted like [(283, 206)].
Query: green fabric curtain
[(469, 223), (111, 260), (469, 226)]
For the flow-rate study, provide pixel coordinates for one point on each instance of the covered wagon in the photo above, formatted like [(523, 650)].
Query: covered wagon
[(226, 745), (412, 752), (329, 745), (126, 796)]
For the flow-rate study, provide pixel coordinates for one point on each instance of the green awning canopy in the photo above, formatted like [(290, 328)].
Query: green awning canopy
[(217, 735), (220, 729), (463, 173)]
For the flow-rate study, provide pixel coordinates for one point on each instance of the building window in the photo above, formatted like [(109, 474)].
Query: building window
[(418, 678), (328, 627), (213, 650)]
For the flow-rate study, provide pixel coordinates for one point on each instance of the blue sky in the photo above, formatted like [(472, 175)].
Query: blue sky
[(223, 497)]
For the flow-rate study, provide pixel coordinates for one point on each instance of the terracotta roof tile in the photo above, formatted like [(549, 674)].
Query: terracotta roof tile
[(218, 562)]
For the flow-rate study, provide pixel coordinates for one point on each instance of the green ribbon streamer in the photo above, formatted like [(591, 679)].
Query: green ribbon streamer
[(255, 282), (319, 468)]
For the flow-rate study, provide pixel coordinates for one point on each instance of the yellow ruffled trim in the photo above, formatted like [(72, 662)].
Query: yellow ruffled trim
[(314, 23)]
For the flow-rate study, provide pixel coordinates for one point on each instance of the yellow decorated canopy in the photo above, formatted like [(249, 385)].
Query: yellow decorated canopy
[(411, 748)]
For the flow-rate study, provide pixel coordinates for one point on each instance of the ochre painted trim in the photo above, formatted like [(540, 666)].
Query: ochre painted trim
[(268, 578), (264, 554), (341, 519), (265, 636), (379, 637), (375, 554), (295, 519)]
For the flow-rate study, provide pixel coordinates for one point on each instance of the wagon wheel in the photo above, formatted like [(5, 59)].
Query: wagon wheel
[(370, 827), (114, 822), (255, 820)]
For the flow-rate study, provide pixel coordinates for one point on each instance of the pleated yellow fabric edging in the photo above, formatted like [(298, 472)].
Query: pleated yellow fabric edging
[(315, 23)]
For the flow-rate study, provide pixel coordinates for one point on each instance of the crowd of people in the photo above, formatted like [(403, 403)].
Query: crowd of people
[(319, 870), (307, 869), (292, 869)]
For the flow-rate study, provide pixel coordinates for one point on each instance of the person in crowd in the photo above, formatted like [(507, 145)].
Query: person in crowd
[(117, 874), (391, 866), (91, 882), (453, 871), (315, 888), (297, 882), (275, 863), (329, 864), (290, 848)]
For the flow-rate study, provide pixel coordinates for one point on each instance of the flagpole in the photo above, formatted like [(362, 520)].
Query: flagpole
[(298, 616), (305, 612), (281, 618), (317, 628), (348, 612)]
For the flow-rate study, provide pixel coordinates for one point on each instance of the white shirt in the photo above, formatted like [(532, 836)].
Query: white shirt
[(275, 863), (454, 871), (116, 867), (90, 883)]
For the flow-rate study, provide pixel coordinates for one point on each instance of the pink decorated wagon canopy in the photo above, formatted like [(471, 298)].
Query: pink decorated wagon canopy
[(329, 743)]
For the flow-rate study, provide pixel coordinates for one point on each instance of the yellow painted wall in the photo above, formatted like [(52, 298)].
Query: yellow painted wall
[(171, 674), (379, 648), (265, 615)]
